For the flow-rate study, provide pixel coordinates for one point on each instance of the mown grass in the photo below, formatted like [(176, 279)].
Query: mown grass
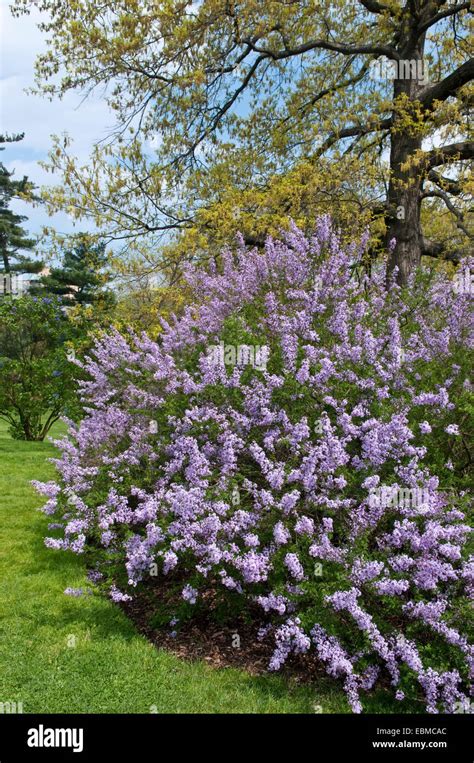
[(70, 655)]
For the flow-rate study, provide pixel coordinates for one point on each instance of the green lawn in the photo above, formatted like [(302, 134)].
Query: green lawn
[(111, 668)]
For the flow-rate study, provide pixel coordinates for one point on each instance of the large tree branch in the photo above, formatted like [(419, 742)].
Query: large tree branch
[(330, 90), (374, 7), (447, 184), (457, 151), (451, 11), (439, 194), (438, 250), (265, 54), (448, 86), (352, 132), (338, 47)]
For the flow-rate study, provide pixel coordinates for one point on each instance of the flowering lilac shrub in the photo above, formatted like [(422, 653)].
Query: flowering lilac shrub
[(326, 485)]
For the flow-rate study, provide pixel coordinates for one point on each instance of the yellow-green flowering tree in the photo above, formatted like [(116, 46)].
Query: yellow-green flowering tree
[(242, 114)]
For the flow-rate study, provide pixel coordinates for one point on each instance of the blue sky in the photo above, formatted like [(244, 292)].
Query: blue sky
[(37, 117)]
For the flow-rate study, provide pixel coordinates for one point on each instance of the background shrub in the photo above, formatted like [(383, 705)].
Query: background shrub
[(36, 378)]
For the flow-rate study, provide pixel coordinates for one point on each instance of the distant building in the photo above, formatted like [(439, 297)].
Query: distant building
[(17, 285)]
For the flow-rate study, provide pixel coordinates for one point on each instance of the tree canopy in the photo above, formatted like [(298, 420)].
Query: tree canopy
[(241, 115)]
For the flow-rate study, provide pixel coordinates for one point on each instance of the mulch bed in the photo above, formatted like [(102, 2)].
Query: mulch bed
[(203, 638)]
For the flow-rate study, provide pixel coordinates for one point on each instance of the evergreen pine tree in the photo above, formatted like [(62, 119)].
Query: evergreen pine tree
[(80, 277), (14, 240)]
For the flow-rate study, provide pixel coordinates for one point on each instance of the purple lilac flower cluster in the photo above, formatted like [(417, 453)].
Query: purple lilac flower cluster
[(262, 481)]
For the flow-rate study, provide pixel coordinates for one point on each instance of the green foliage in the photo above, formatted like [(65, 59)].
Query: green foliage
[(36, 377)]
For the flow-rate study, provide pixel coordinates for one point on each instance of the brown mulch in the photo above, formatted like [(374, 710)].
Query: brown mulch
[(204, 638)]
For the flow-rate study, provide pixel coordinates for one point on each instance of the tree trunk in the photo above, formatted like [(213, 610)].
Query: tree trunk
[(404, 207), (404, 192)]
